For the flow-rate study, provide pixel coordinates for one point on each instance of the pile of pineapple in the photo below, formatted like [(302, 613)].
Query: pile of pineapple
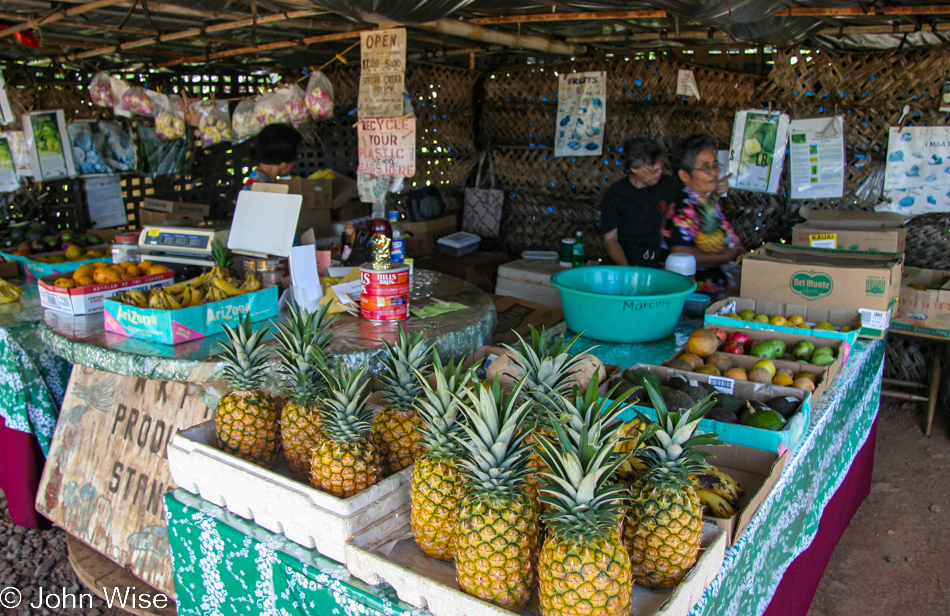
[(520, 485)]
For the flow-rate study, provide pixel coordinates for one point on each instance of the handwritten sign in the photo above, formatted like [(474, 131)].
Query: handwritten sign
[(387, 146), (381, 95), (372, 188), (107, 471), (383, 51)]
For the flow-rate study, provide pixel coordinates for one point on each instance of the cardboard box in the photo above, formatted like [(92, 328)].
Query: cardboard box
[(757, 472), (176, 326), (715, 315), (924, 312), (517, 315), (326, 194), (89, 299), (747, 436), (351, 210), (863, 281), (529, 279), (9, 269), (422, 236), (156, 211), (36, 269), (851, 230)]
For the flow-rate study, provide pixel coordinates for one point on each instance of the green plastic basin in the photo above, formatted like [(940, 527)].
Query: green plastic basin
[(621, 303)]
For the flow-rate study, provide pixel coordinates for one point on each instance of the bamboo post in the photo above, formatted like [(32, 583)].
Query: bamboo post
[(57, 16), (461, 29), (583, 16)]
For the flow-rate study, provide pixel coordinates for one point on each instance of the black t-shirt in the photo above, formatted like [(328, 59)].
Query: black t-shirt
[(638, 214)]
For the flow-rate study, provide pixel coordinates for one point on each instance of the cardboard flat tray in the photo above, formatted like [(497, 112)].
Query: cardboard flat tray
[(36, 269), (839, 317), (89, 299), (276, 501), (386, 552)]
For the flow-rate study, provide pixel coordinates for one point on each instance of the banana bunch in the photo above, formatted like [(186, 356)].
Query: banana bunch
[(212, 286), (9, 292), (717, 491)]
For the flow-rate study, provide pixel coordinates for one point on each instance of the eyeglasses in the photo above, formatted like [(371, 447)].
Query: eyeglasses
[(710, 169)]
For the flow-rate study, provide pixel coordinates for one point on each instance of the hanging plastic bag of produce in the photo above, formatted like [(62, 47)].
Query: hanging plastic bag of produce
[(100, 90), (320, 96), (214, 124), (161, 157), (270, 110), (169, 117), (136, 100), (244, 122), (295, 104)]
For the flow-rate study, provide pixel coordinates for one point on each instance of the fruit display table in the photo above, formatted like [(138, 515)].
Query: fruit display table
[(107, 469), (227, 565), (32, 382)]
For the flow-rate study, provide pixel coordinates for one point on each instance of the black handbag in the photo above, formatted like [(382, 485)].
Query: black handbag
[(424, 204)]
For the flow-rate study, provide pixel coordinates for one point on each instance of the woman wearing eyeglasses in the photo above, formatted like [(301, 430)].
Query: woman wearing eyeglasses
[(633, 209), (696, 224)]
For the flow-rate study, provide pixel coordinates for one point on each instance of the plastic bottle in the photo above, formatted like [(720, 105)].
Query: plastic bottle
[(578, 259), (399, 243)]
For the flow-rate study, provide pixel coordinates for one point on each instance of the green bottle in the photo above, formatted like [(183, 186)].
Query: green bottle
[(578, 259)]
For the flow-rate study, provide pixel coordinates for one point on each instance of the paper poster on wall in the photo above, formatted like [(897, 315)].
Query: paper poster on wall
[(686, 84), (381, 95), (383, 51), (581, 114), (917, 157), (387, 146), (916, 201), (816, 158), (48, 143), (106, 206), (6, 112), (21, 156), (8, 178), (757, 151), (101, 147)]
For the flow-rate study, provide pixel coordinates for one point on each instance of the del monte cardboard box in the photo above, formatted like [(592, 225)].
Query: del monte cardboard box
[(851, 230)]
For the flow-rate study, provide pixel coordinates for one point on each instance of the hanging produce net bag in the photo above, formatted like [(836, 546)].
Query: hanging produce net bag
[(136, 100), (169, 118), (244, 122), (320, 96), (100, 90), (270, 110), (214, 123), (295, 104)]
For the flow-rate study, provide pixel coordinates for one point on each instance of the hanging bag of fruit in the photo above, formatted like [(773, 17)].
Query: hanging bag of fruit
[(320, 96), (214, 124), (244, 122), (294, 104), (100, 90), (136, 100), (169, 117), (270, 110)]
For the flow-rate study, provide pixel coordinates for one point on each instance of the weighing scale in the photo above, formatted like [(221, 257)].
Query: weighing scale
[(181, 242)]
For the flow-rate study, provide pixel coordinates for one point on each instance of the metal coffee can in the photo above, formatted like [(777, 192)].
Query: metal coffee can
[(384, 294)]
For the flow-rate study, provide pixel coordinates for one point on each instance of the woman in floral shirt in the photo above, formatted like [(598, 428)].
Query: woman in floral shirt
[(696, 224)]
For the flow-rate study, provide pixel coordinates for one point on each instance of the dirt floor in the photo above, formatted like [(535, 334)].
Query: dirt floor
[(891, 560)]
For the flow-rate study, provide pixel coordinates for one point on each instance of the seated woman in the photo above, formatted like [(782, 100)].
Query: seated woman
[(696, 224), (274, 152)]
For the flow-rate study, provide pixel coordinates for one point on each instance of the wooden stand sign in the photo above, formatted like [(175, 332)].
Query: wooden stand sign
[(107, 471)]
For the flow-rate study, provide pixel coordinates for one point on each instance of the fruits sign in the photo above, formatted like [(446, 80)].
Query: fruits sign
[(811, 284)]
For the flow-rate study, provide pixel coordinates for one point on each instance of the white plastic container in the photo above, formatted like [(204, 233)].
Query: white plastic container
[(274, 500), (458, 244), (386, 552), (681, 263)]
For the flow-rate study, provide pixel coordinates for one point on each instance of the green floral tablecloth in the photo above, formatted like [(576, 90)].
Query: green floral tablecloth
[(227, 565), (33, 379)]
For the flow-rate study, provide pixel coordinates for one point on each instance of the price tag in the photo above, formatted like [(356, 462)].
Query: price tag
[(875, 319), (726, 386), (823, 240)]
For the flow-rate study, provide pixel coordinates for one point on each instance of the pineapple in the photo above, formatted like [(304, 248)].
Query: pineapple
[(436, 484), (347, 461), (246, 419), (496, 535), (302, 343), (546, 368), (222, 257), (665, 521), (583, 567), (711, 237), (397, 427)]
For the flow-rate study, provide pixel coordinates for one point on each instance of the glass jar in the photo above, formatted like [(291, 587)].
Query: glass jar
[(125, 248)]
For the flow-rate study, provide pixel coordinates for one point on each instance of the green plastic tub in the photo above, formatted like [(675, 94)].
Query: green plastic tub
[(621, 303)]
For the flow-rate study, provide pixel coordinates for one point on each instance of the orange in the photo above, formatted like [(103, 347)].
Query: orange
[(105, 275), (67, 283), (84, 281), (133, 271), (73, 253), (144, 265), (83, 270), (156, 269)]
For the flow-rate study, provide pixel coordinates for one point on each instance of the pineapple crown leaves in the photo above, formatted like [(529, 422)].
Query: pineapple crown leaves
[(548, 365), (496, 459), (670, 450), (220, 253), (409, 356), (344, 414), (439, 409), (300, 355), (322, 336), (244, 355)]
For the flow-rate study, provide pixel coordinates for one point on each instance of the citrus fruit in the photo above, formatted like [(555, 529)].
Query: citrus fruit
[(778, 319), (796, 319), (736, 373), (803, 383), (767, 365), (782, 379), (693, 360), (702, 342)]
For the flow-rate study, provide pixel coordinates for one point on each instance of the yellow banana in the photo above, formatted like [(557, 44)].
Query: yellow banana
[(170, 301), (185, 298), (226, 287), (250, 284), (714, 481), (197, 297), (178, 287), (9, 292), (719, 507), (155, 302), (136, 298)]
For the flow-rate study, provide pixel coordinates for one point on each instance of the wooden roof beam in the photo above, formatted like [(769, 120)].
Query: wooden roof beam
[(259, 48), (32, 23), (906, 10), (462, 29), (583, 16)]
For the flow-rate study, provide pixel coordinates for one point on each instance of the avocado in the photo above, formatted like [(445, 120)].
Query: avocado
[(627, 392), (731, 403), (641, 376), (678, 382), (709, 388), (92, 239), (717, 413), (785, 405), (677, 400), (766, 419), (696, 393)]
